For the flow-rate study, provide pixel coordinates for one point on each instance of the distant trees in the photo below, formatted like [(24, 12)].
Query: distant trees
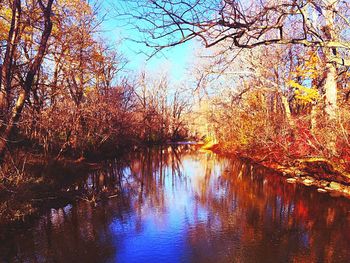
[(161, 110), (61, 86)]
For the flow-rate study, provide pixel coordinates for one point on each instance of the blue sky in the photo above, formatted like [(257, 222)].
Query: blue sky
[(173, 60)]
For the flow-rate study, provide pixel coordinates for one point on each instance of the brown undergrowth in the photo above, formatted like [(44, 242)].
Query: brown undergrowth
[(328, 175)]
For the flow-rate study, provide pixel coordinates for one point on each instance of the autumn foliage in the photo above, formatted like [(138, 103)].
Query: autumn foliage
[(63, 88)]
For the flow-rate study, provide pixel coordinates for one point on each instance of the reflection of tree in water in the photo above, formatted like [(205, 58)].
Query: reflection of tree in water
[(231, 211), (253, 217), (155, 170), (117, 192)]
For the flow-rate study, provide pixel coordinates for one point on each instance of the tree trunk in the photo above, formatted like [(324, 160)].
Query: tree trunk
[(313, 115), (331, 70), (330, 85), (7, 67), (331, 91), (28, 83), (287, 111), (16, 112)]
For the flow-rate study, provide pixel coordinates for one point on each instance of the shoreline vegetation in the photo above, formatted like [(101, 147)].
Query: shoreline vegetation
[(322, 174)]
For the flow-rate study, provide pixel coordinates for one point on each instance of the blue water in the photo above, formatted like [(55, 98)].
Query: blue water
[(177, 204)]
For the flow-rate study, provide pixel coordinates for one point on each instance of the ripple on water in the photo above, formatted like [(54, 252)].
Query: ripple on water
[(178, 205)]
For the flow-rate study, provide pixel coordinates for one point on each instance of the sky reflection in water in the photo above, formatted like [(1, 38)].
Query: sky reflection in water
[(180, 205)]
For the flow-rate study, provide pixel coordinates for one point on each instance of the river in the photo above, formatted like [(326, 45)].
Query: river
[(178, 204)]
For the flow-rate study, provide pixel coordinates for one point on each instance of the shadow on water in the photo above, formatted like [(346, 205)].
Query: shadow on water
[(175, 204)]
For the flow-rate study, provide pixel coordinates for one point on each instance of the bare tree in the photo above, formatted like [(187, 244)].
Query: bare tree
[(321, 24), (31, 73)]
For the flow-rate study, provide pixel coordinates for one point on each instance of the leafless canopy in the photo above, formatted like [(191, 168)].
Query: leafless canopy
[(244, 24)]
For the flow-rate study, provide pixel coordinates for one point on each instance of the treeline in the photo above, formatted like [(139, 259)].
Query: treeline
[(276, 74), (63, 89), (276, 109)]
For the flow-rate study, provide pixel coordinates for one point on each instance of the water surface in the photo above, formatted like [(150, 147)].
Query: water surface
[(175, 204)]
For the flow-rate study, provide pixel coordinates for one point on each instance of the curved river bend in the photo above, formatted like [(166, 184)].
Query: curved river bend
[(175, 204)]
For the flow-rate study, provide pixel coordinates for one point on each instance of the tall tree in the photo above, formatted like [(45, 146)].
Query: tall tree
[(248, 24), (33, 65)]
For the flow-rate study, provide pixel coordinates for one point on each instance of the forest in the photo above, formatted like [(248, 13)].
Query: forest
[(270, 76), (266, 81), (62, 94)]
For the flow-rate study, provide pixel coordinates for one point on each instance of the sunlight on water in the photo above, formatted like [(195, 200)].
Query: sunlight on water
[(179, 205)]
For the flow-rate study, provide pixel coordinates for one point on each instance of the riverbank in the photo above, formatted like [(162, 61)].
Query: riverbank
[(31, 182), (320, 173), (41, 184), (45, 182)]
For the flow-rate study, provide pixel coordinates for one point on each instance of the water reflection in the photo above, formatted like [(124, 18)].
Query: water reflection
[(173, 204)]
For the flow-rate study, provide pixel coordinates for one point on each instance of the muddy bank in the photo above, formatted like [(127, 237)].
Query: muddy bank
[(320, 173)]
